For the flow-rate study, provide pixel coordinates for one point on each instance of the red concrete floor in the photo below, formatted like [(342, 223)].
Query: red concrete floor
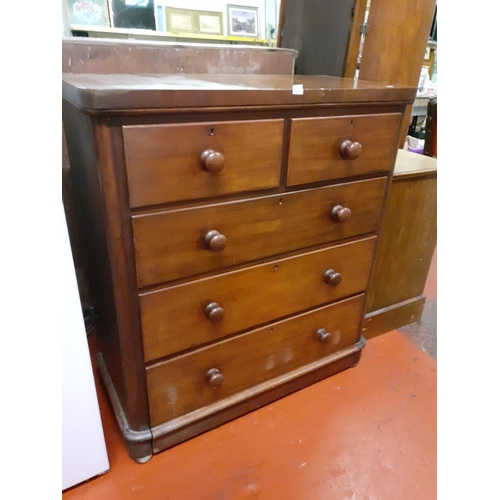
[(368, 433), (423, 333)]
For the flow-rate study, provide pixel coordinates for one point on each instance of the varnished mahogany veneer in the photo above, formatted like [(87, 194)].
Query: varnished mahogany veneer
[(250, 296), (172, 244), (230, 227), (318, 149), (178, 386), (165, 163)]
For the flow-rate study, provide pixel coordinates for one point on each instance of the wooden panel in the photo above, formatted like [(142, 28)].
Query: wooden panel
[(319, 31), (170, 245), (412, 166), (163, 161), (430, 146), (406, 244), (174, 318), (100, 195), (394, 48), (315, 147), (352, 53), (166, 435), (179, 386), (138, 57), (392, 317)]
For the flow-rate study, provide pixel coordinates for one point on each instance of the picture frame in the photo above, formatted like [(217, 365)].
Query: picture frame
[(180, 20), (243, 21), (209, 23), (88, 13), (133, 14)]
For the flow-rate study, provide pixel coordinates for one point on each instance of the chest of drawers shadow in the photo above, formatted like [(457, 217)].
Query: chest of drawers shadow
[(230, 237)]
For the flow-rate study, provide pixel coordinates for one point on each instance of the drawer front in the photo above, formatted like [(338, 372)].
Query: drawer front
[(194, 313), (171, 245), (180, 385), (316, 152), (164, 161)]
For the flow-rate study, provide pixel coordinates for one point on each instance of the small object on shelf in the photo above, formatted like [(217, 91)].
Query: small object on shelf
[(180, 20), (209, 23), (88, 13), (243, 21)]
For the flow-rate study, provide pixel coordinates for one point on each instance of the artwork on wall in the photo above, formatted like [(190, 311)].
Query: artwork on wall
[(243, 21), (209, 23), (180, 20), (88, 12), (133, 14)]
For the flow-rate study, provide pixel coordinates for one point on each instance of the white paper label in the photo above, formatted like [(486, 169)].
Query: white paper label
[(298, 89)]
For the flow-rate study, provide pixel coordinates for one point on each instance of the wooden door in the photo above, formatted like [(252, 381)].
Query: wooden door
[(319, 31), (395, 44)]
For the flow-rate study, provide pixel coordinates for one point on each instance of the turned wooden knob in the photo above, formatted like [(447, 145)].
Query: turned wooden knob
[(212, 161), (350, 150), (215, 241), (332, 278), (323, 336), (214, 312), (340, 213), (214, 377)]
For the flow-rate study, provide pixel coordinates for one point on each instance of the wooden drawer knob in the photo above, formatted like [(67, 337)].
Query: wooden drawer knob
[(214, 377), (350, 150), (212, 161), (323, 336), (332, 278), (215, 241), (214, 312), (340, 213)]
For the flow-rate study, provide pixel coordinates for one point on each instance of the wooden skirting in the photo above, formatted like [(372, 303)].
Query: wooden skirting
[(392, 317)]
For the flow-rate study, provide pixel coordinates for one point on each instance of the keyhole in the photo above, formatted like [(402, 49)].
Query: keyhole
[(352, 123), (212, 131), (275, 268), (281, 201), (272, 330)]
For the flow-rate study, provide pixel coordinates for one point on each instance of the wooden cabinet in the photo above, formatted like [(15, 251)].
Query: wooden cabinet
[(407, 241), (230, 241)]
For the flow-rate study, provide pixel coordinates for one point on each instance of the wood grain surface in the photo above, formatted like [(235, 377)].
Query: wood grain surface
[(174, 318)]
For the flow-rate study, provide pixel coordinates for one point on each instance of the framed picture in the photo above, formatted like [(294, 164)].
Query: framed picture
[(209, 23), (133, 14), (243, 21), (88, 12), (180, 20)]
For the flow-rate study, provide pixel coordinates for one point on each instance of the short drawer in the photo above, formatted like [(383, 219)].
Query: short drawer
[(198, 312), (172, 162), (173, 244), (208, 375), (335, 147)]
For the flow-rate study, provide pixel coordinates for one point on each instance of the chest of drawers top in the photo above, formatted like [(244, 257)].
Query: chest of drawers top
[(108, 77)]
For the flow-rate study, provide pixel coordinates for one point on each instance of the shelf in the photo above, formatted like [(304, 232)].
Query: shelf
[(101, 31)]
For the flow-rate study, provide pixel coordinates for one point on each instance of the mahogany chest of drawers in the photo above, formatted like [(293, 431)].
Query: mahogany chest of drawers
[(230, 226)]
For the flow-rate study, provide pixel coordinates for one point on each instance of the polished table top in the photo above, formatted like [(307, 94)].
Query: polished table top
[(163, 91)]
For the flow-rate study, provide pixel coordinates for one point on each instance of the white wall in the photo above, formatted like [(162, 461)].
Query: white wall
[(66, 31)]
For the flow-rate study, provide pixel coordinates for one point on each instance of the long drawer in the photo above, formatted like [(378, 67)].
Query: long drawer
[(335, 147), (173, 244), (210, 374), (194, 313), (172, 162)]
